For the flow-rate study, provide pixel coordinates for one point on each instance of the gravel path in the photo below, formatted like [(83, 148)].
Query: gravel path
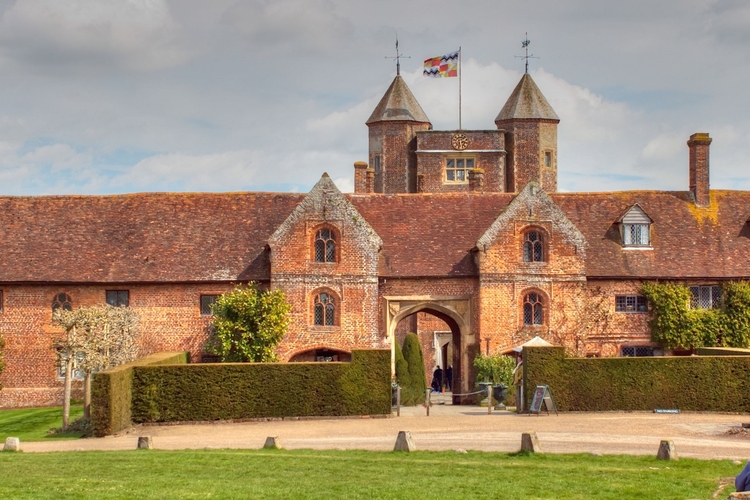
[(698, 435)]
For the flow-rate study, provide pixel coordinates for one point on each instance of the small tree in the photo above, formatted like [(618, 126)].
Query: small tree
[(497, 369), (248, 324), (96, 338), (415, 361)]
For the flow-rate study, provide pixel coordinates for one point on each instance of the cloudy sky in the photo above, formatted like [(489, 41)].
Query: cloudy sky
[(115, 96)]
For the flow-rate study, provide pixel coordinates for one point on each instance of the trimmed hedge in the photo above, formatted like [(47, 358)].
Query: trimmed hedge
[(223, 391), (690, 383), (111, 392), (722, 351)]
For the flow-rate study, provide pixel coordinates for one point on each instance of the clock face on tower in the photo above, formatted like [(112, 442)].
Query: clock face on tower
[(460, 142)]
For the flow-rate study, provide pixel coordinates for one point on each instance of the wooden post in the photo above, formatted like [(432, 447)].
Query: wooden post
[(398, 400), (489, 400), (427, 401)]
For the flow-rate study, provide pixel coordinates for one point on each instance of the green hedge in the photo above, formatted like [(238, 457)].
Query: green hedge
[(223, 391), (111, 392), (690, 383), (722, 351)]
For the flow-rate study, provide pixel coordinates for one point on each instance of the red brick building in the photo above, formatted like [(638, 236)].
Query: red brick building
[(459, 235)]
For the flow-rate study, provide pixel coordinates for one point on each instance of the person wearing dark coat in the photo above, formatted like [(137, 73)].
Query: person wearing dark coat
[(437, 379), (449, 377), (742, 481)]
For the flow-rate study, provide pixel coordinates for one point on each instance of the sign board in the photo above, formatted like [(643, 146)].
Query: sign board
[(542, 394)]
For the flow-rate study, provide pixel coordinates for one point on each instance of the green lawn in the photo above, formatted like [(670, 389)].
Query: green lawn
[(305, 474), (32, 424)]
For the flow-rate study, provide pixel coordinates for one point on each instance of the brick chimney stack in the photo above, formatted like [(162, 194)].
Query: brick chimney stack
[(360, 177), (699, 144)]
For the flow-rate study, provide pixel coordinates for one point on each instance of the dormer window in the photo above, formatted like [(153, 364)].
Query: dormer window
[(635, 228)]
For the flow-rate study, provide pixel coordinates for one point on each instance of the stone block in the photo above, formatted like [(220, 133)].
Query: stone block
[(404, 442), (530, 442), (739, 494), (666, 451), (272, 442), (145, 443), (12, 444)]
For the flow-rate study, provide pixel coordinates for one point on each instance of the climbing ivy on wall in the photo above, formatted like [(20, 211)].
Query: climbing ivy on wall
[(673, 324)]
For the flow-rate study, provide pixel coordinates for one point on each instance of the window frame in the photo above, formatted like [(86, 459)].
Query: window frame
[(640, 304), (714, 296), (455, 169), (650, 350), (118, 296), (541, 244), (537, 309), (61, 300), (206, 311), (334, 237), (628, 228), (333, 301)]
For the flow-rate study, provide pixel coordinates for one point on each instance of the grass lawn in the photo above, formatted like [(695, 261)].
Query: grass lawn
[(297, 474), (32, 424)]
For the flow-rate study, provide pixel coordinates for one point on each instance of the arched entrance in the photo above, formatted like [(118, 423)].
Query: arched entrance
[(455, 311)]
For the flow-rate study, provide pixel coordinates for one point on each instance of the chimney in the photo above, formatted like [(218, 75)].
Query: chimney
[(370, 180), (360, 177), (476, 179), (699, 186)]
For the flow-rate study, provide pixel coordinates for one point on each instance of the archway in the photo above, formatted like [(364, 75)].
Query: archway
[(455, 313)]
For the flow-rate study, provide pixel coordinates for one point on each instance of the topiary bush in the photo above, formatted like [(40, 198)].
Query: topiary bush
[(414, 393), (402, 367)]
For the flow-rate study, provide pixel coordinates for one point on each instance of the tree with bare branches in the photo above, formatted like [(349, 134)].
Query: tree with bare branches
[(96, 338), (586, 313)]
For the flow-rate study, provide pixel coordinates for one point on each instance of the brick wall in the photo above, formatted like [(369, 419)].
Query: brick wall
[(395, 143), (527, 144)]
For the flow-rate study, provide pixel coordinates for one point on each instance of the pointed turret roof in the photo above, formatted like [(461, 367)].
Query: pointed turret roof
[(398, 104), (526, 101)]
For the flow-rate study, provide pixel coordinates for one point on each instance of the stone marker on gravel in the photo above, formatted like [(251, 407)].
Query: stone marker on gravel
[(12, 444), (404, 442), (530, 443), (272, 442), (667, 451), (145, 443)]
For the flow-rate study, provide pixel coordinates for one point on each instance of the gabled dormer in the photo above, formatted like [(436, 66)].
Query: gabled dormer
[(635, 228)]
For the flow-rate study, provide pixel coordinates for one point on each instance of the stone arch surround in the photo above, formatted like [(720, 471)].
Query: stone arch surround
[(456, 311)]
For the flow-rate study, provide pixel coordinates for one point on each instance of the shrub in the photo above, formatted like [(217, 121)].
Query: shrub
[(497, 369), (414, 393), (402, 367)]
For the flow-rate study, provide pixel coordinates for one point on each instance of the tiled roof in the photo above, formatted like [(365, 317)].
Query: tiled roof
[(158, 237), (687, 242), (165, 237), (526, 101), (398, 104), (429, 234)]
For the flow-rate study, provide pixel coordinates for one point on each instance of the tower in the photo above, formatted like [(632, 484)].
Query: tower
[(393, 126), (530, 124)]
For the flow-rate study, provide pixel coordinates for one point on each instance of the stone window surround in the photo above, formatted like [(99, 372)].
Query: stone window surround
[(543, 301), (208, 302), (335, 302), (336, 237), (637, 301), (455, 158)]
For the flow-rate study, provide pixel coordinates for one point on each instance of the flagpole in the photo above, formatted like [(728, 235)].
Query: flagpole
[(459, 87)]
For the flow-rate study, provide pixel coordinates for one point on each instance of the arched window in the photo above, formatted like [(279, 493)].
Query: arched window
[(533, 247), (62, 300), (533, 310), (324, 309), (325, 245)]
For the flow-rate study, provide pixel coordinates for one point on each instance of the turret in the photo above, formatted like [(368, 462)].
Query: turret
[(530, 124), (393, 127)]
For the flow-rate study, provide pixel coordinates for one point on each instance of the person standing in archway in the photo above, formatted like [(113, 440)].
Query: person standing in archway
[(437, 379), (449, 378)]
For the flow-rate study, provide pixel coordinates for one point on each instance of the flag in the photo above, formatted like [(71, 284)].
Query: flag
[(442, 67)]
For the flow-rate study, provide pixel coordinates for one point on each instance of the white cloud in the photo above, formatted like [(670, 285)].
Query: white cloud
[(134, 34)]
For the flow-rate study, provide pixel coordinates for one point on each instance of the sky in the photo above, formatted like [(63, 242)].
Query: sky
[(119, 96)]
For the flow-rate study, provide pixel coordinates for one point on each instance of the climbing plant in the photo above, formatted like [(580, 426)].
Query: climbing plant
[(673, 324)]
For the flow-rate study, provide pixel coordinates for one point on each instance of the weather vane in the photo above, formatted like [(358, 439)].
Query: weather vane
[(525, 45), (398, 58)]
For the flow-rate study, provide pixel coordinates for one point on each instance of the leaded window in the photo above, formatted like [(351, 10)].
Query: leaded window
[(637, 351), (631, 303), (533, 311), (533, 247), (705, 297), (62, 300), (324, 310), (325, 245), (207, 302), (636, 235), (118, 298)]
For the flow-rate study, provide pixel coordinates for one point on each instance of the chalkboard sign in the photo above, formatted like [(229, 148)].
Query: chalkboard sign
[(542, 394)]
